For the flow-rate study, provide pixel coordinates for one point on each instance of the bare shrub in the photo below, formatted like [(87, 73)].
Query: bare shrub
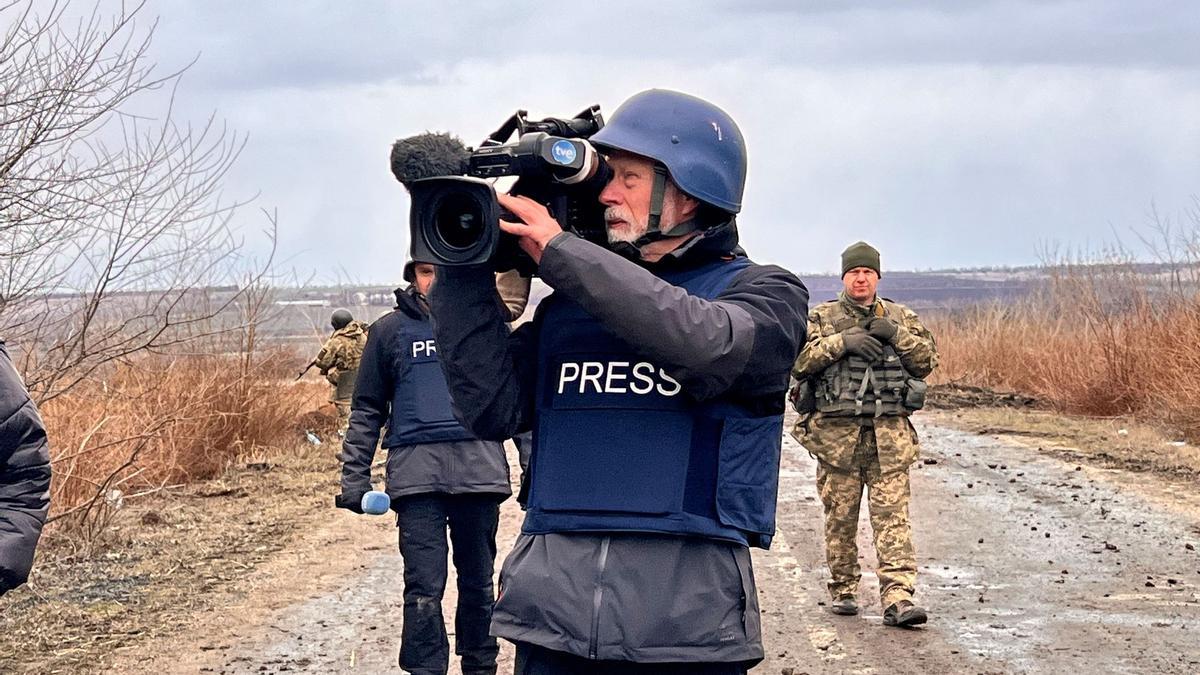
[(125, 295), (1105, 336), (114, 236), (156, 421)]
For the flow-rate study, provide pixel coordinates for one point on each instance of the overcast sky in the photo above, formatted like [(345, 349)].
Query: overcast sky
[(956, 133)]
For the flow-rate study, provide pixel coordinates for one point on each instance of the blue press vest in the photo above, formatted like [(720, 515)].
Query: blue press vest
[(619, 446), (421, 411)]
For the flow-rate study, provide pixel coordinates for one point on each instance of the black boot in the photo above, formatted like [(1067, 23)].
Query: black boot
[(846, 605), (903, 614)]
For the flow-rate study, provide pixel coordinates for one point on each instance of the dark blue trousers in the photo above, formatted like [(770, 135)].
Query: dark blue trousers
[(423, 521)]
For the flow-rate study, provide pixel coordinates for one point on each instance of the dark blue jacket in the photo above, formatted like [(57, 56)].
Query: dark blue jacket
[(401, 388)]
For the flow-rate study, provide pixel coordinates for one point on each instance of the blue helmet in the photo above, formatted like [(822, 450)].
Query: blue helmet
[(698, 143)]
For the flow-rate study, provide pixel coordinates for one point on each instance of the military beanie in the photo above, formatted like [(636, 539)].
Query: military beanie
[(860, 254)]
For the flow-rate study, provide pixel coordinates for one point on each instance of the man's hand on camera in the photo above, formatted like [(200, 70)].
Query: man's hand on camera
[(537, 226)]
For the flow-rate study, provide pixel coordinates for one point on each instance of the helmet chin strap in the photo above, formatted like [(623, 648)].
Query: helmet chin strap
[(657, 193), (654, 220)]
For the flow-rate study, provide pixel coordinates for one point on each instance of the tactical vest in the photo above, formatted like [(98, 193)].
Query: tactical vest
[(854, 387), (421, 409), (620, 446)]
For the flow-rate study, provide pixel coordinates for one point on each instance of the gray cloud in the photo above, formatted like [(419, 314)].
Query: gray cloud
[(314, 43), (949, 133)]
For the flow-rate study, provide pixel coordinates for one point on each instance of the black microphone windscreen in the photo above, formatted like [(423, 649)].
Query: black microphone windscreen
[(428, 155)]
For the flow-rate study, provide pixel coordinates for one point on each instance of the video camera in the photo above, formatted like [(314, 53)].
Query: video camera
[(454, 220)]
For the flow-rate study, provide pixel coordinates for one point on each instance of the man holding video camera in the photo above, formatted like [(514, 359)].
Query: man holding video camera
[(653, 379)]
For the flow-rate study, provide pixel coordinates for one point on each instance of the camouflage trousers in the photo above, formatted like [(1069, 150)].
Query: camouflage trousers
[(343, 415), (887, 499)]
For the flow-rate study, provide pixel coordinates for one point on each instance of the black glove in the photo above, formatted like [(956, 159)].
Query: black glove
[(882, 329), (859, 341), (351, 501)]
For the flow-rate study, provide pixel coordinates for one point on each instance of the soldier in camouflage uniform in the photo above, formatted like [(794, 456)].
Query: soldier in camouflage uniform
[(860, 374), (338, 361)]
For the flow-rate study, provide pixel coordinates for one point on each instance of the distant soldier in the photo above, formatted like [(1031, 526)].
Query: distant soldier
[(859, 377), (338, 361)]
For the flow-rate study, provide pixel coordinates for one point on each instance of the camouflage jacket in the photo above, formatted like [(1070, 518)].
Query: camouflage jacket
[(832, 439), (342, 351), (514, 292)]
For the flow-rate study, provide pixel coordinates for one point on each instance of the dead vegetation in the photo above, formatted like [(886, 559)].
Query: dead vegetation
[(165, 558), (126, 299), (953, 396), (158, 421), (1104, 337)]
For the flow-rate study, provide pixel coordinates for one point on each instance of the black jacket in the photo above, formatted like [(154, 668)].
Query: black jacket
[(24, 477), (448, 467)]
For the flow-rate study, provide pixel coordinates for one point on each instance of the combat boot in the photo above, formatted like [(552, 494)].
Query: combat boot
[(903, 614), (846, 605)]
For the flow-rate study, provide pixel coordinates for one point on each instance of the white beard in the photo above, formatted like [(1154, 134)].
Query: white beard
[(627, 235), (637, 229)]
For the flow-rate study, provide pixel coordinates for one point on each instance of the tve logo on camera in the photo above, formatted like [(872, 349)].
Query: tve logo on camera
[(563, 151)]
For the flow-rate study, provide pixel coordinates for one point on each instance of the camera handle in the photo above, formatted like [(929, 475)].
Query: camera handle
[(586, 123)]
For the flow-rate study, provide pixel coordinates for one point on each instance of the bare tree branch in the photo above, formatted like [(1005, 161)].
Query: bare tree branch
[(113, 226)]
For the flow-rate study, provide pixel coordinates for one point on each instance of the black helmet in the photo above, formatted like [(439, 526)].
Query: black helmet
[(410, 271), (340, 318)]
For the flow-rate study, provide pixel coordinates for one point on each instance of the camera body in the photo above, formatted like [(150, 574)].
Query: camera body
[(454, 220)]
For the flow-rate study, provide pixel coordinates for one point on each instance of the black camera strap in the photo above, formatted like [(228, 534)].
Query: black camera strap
[(657, 193)]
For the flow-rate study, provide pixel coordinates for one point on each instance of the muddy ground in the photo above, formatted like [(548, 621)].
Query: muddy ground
[(1033, 559)]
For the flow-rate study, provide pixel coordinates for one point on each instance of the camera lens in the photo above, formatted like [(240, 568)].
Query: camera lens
[(459, 221), (454, 220)]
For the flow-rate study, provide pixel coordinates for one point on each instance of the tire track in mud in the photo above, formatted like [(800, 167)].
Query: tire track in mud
[(1027, 564)]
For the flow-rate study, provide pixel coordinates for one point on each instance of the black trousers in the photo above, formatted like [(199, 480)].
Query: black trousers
[(423, 521), (535, 660)]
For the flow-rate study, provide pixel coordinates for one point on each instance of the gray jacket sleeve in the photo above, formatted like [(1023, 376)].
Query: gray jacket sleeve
[(744, 340), (754, 327), (24, 477), (489, 370)]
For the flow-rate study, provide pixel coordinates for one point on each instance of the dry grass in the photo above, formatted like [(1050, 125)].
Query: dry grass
[(166, 558), (1118, 443), (127, 560), (1100, 340), (156, 421)]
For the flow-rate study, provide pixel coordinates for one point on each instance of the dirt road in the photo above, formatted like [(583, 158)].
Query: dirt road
[(1028, 564)]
